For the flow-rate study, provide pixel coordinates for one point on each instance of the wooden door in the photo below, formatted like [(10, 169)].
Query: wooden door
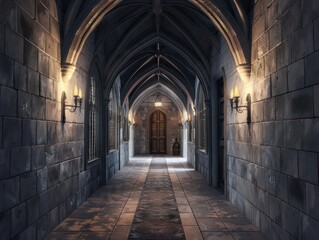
[(158, 133)]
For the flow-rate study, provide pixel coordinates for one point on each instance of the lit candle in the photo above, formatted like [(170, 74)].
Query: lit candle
[(236, 91), (76, 91), (232, 94), (80, 93)]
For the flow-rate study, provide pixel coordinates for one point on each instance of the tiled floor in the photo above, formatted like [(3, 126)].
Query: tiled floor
[(109, 213)]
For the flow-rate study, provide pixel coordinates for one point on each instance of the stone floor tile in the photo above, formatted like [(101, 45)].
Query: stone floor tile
[(238, 224), (217, 236), (188, 219), (192, 233), (120, 233), (248, 236), (95, 236), (211, 225), (184, 208), (126, 219)]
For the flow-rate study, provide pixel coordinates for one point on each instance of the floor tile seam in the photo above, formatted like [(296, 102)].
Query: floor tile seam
[(188, 205), (124, 207)]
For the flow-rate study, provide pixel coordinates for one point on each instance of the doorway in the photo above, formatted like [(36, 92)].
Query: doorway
[(158, 133)]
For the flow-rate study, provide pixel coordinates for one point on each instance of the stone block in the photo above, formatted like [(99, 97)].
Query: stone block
[(30, 55), (308, 166), (11, 132), (316, 32), (259, 27), (262, 45), (18, 217), (8, 103), (291, 20), (52, 110), (297, 193), (14, 45), (291, 220), (272, 14), (270, 181), (257, 112), (29, 233), (5, 225), (4, 164), (282, 186), (43, 16), (42, 227), (262, 89), (270, 157), (42, 133), (309, 134), (279, 81), (310, 11), (24, 105), (46, 87), (9, 189), (46, 202), (263, 201), (20, 161), (54, 28), (312, 72), (275, 33), (6, 71), (28, 186), (37, 157), (283, 55), (296, 75), (312, 197), (53, 69), (309, 228), (20, 76), (52, 134), (53, 219), (29, 132), (33, 82), (289, 162), (31, 30), (270, 62), (258, 69), (302, 103), (292, 134), (275, 209), (302, 42), (28, 6), (316, 101), (2, 38), (283, 107), (38, 107), (33, 210), (43, 63), (53, 175), (42, 179), (51, 46), (268, 133)]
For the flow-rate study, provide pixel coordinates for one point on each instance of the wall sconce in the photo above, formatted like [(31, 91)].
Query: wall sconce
[(188, 120), (132, 123), (180, 124), (77, 98), (234, 103)]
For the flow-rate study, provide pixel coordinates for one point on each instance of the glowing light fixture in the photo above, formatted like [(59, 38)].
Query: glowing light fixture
[(77, 98), (234, 103)]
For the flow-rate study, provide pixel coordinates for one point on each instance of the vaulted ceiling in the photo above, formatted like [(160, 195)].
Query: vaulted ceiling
[(146, 42)]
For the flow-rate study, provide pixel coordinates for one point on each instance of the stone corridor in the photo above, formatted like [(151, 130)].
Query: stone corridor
[(109, 213)]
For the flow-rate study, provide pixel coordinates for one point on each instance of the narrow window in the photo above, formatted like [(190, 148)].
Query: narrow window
[(92, 120)]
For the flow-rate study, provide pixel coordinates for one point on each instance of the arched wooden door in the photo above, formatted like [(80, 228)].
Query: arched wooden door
[(158, 133)]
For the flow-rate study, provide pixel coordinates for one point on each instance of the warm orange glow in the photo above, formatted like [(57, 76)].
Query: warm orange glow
[(76, 91), (236, 93), (80, 93), (231, 94)]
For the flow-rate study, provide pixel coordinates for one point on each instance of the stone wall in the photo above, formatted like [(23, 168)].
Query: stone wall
[(43, 172), (142, 127), (273, 162)]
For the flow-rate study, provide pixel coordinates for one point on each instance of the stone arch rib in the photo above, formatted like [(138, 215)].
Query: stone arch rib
[(233, 33)]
